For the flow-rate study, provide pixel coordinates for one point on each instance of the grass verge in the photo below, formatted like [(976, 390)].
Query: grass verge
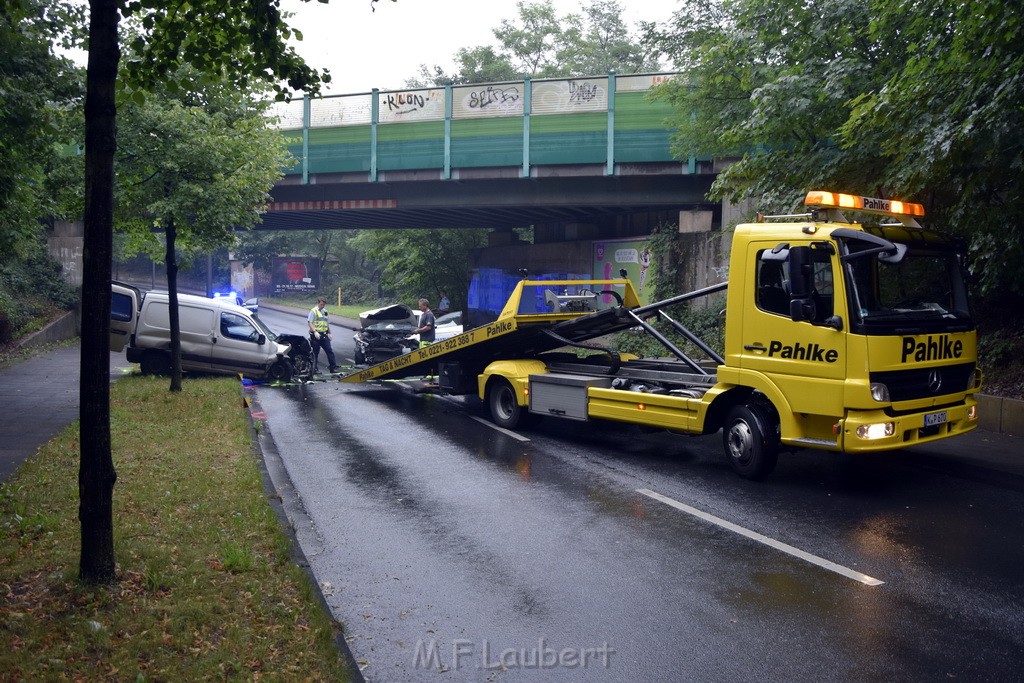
[(206, 588)]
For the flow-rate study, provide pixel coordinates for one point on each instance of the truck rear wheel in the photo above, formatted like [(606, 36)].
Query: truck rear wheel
[(505, 409), (750, 438), (155, 363)]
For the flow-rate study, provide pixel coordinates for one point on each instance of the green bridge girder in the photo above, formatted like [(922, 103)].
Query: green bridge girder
[(459, 155), (607, 120)]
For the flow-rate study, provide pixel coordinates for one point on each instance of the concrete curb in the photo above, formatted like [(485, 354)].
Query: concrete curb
[(288, 508)]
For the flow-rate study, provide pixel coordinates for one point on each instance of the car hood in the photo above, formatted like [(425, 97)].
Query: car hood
[(397, 313)]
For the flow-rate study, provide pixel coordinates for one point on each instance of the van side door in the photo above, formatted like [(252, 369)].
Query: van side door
[(240, 346), (124, 313)]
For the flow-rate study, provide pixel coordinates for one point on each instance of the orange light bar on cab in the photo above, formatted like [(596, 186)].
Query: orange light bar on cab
[(869, 204)]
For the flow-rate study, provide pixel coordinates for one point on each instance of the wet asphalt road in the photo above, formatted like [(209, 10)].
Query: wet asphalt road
[(453, 551)]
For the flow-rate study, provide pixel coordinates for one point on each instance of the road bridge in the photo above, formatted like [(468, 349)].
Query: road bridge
[(551, 153)]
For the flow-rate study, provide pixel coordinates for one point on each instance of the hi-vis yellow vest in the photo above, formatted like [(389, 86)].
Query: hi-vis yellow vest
[(320, 321)]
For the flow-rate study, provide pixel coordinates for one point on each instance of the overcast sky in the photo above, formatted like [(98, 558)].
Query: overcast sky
[(367, 49)]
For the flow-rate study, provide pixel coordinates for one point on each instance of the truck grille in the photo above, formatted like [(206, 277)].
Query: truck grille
[(908, 385)]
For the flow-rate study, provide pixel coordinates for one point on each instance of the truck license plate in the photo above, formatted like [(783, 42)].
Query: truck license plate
[(932, 419)]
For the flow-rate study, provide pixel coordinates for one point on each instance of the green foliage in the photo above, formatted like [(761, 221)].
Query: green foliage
[(540, 44), (769, 82), (865, 98), (663, 242), (243, 43), (202, 161), (420, 263), (32, 291), (949, 122), (342, 263), (38, 93), (235, 557), (260, 247), (481, 64), (706, 323), (354, 289), (205, 586), (1001, 344)]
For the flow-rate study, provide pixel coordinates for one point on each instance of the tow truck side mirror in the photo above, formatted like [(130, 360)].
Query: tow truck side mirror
[(801, 284)]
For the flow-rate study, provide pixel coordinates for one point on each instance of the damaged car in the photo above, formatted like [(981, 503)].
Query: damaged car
[(447, 326), (385, 333)]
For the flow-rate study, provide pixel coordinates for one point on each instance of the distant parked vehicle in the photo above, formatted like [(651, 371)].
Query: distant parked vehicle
[(252, 304), (448, 325)]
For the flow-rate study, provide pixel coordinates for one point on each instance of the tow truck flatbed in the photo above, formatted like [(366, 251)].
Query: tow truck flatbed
[(539, 316), (545, 315)]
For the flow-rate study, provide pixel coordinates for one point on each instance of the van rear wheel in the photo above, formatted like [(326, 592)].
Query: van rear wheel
[(750, 438), (155, 363)]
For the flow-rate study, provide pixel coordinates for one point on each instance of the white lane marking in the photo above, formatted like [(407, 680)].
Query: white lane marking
[(500, 429), (760, 538)]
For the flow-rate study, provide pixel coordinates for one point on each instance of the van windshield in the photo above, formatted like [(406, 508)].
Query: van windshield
[(262, 327)]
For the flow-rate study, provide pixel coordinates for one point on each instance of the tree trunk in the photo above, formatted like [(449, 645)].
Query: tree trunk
[(172, 306), (96, 474)]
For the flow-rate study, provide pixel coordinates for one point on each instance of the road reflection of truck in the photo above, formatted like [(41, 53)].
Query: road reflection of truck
[(838, 336)]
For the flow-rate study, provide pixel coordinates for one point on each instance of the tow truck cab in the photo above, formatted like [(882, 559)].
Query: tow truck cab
[(861, 338)]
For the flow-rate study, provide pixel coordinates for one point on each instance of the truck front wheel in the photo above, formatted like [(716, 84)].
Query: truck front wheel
[(505, 409), (750, 437)]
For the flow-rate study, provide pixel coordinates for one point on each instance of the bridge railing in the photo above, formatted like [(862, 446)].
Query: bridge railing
[(607, 120)]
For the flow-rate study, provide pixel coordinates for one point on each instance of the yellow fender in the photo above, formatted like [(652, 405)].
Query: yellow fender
[(517, 372), (730, 379)]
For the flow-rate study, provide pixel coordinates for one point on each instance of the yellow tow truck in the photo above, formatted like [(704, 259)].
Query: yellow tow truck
[(839, 336)]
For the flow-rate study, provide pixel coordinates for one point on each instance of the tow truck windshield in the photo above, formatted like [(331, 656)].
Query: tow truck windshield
[(924, 289)]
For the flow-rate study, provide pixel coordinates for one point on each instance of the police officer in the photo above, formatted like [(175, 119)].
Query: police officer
[(320, 334)]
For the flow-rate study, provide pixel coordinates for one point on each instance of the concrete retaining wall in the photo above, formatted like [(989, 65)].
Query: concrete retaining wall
[(67, 326), (1004, 415)]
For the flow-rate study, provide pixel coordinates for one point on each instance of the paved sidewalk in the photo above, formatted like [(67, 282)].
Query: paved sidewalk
[(40, 398)]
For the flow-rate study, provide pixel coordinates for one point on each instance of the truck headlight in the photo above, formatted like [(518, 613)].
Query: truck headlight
[(879, 392), (876, 431)]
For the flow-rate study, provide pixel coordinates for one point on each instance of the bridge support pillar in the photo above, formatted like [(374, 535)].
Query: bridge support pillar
[(65, 243), (695, 221), (502, 237)]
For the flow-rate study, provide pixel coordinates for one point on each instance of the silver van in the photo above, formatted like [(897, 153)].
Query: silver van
[(217, 335)]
